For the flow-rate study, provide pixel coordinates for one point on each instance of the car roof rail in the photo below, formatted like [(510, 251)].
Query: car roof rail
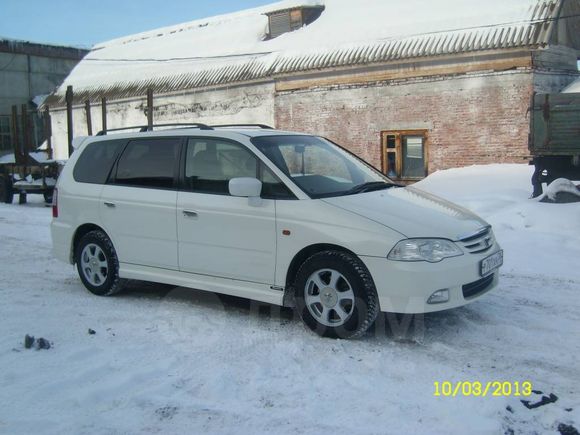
[(180, 124), (145, 128), (104, 132), (262, 126)]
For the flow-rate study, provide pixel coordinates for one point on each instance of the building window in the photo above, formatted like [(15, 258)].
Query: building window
[(5, 137), (288, 20), (404, 154)]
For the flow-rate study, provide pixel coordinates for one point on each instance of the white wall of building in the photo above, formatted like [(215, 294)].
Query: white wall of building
[(240, 104)]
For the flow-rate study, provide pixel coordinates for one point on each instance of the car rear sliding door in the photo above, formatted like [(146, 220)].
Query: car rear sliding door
[(137, 206)]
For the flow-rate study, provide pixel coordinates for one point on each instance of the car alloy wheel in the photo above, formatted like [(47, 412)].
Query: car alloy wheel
[(329, 297), (94, 264)]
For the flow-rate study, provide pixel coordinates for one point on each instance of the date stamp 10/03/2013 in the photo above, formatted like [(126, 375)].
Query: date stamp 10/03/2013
[(483, 389)]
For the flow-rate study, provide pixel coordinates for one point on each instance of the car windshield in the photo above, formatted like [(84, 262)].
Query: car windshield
[(319, 167)]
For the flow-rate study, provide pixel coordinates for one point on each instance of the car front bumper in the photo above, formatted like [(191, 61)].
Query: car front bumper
[(405, 287)]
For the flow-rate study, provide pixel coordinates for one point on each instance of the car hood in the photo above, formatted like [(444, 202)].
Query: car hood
[(412, 212)]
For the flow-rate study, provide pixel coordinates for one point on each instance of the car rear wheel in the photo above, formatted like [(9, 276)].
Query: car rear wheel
[(335, 295), (97, 264)]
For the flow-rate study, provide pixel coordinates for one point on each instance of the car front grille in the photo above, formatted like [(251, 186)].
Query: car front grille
[(477, 287), (482, 241)]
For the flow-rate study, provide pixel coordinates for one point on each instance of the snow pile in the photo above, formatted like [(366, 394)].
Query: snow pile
[(559, 186), (173, 360), (535, 235)]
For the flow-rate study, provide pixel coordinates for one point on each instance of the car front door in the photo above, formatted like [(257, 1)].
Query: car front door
[(222, 235), (137, 206)]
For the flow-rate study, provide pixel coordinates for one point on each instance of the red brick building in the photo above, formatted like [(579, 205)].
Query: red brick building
[(408, 87)]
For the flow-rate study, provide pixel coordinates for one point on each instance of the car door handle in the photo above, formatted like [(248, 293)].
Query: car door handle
[(110, 204), (189, 213)]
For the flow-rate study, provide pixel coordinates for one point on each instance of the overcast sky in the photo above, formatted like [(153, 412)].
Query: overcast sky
[(86, 22)]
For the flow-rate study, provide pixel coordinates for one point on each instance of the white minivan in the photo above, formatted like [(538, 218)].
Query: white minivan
[(274, 216)]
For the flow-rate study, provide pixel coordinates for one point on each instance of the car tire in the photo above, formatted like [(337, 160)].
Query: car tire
[(6, 190), (98, 265), (335, 295)]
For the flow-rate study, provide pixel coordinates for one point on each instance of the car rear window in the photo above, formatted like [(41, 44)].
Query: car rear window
[(96, 160)]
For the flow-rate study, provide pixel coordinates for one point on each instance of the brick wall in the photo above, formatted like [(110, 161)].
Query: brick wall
[(476, 119)]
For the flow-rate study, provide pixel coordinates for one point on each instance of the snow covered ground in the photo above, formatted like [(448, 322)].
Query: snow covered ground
[(169, 360)]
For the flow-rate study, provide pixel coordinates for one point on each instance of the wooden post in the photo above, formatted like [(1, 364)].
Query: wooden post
[(48, 132), (149, 109), (69, 117), (25, 130), (16, 136), (104, 114), (88, 115)]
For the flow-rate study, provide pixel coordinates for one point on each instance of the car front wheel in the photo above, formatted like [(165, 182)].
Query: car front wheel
[(335, 295)]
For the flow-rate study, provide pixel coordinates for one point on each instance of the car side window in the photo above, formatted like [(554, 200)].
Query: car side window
[(149, 163), (94, 164), (210, 165)]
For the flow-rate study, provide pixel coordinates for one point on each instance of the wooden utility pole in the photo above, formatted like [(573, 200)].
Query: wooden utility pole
[(88, 115), (150, 109), (48, 132), (104, 114), (69, 118)]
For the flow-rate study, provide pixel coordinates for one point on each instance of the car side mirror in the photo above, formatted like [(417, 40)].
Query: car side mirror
[(245, 187)]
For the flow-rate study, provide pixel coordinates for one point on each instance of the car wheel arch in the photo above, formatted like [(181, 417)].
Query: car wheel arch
[(299, 258), (78, 235)]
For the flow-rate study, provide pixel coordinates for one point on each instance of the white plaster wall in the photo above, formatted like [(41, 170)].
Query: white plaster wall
[(242, 104)]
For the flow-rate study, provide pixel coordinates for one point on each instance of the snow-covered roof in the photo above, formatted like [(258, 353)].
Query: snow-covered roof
[(39, 100), (232, 48), (39, 157)]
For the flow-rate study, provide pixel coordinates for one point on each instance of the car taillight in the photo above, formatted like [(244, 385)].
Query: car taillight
[(55, 203)]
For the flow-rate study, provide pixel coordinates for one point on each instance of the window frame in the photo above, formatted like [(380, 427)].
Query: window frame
[(398, 151), (182, 185), (112, 180)]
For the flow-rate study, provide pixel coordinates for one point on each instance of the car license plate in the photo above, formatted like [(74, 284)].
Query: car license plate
[(491, 263)]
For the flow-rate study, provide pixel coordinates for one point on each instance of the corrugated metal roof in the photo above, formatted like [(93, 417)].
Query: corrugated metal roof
[(534, 31)]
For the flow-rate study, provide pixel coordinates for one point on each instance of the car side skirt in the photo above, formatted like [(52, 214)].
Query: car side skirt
[(244, 289)]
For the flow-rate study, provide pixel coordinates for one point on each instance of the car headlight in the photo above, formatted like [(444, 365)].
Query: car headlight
[(431, 250)]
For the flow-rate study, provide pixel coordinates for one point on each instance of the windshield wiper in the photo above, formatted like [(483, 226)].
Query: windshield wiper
[(370, 187)]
